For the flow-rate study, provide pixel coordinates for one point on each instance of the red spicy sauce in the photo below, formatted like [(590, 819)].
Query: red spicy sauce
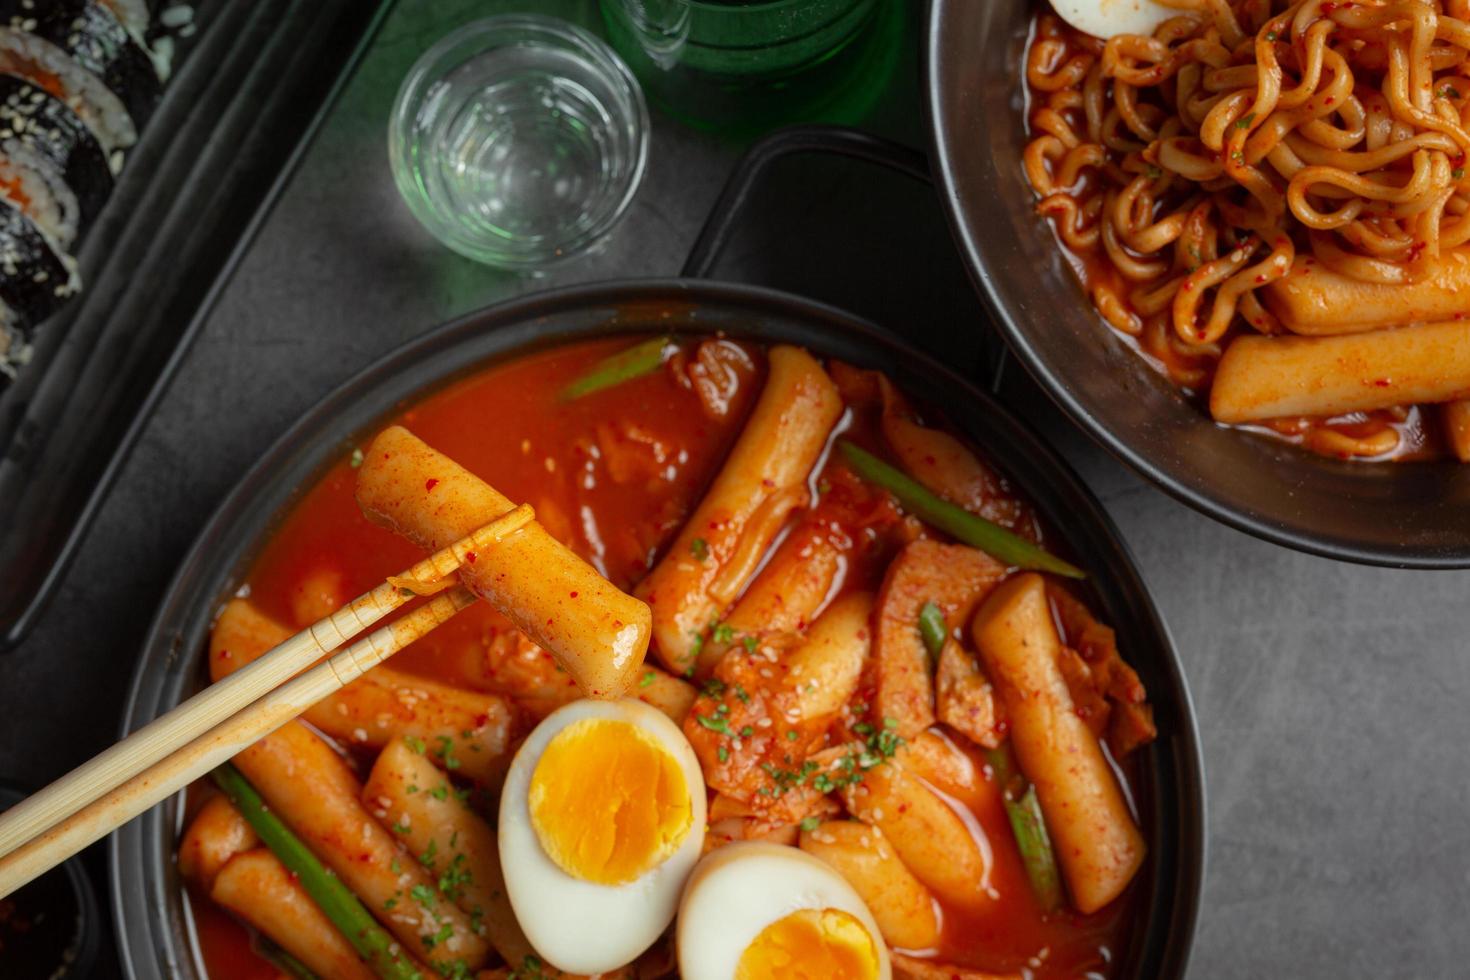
[(614, 475)]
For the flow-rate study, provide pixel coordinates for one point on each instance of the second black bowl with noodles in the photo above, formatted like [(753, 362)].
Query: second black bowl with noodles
[(147, 894), (1414, 515)]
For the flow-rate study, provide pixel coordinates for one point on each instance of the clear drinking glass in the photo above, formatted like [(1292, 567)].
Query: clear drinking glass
[(519, 140)]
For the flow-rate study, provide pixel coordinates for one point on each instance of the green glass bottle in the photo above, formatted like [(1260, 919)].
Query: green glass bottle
[(744, 67)]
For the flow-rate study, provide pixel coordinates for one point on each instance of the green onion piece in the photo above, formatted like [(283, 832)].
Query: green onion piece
[(955, 521), (357, 926), (1000, 763), (933, 629), (626, 365), (282, 960), (1035, 847)]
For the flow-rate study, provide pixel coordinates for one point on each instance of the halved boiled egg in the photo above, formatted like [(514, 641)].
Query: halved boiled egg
[(761, 911), (601, 820)]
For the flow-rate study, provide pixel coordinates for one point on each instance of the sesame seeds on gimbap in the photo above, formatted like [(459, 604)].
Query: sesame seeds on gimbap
[(45, 65), (36, 120), (35, 276), (91, 33)]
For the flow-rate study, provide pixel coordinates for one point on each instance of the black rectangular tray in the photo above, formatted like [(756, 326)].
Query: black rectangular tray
[(248, 92)]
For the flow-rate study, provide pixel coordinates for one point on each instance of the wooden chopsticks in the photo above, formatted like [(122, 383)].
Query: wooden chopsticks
[(167, 754)]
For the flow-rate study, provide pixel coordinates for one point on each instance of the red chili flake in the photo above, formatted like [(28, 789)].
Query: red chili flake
[(227, 655), (1261, 278), (574, 595), (430, 484), (1002, 726), (1381, 382), (767, 483), (482, 720), (469, 557), (1328, 101), (549, 622)]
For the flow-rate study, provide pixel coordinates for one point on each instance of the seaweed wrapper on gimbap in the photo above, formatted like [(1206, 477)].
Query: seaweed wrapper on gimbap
[(35, 276), (97, 40), (36, 120), (45, 65)]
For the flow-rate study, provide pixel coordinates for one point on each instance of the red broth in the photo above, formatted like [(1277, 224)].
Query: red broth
[(613, 474)]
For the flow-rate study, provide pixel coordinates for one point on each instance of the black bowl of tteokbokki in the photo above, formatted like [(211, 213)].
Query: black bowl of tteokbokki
[(812, 662)]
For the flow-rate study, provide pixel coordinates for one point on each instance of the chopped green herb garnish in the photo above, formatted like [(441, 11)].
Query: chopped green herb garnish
[(722, 633), (696, 645), (445, 931), (749, 643), (714, 688), (716, 723), (427, 858), (1458, 173), (455, 877), (422, 895), (1244, 122), (791, 735), (454, 970), (811, 823), (648, 678), (699, 549), (399, 828), (356, 459), (723, 753), (415, 745), (746, 732), (440, 792), (445, 752)]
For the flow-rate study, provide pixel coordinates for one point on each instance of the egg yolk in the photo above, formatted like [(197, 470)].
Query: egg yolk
[(608, 802), (811, 944)]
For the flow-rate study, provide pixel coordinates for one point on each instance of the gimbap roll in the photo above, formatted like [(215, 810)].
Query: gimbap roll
[(36, 277), (45, 65), (37, 121), (14, 350), (32, 184), (91, 33), (133, 14)]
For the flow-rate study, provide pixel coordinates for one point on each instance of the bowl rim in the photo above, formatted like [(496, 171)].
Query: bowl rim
[(1276, 530), (523, 325)]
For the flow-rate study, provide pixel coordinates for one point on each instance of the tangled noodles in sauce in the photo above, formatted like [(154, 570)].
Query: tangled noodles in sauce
[(1271, 199)]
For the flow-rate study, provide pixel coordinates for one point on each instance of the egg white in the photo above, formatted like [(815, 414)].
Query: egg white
[(1109, 18), (740, 889), (581, 926)]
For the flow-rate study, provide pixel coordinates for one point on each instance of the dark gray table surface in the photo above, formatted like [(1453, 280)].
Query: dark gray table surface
[(1332, 699)]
